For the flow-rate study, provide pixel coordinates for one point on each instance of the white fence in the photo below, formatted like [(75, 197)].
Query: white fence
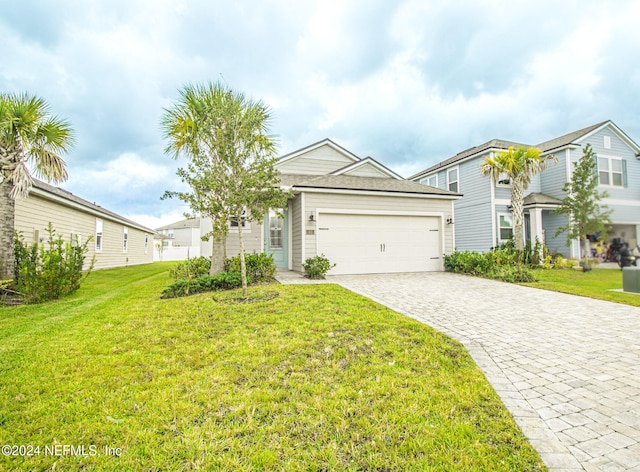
[(179, 253)]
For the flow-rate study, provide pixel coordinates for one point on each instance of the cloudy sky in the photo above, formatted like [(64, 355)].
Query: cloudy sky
[(407, 82)]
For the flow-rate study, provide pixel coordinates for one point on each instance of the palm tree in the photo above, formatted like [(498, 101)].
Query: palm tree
[(518, 166), (31, 143)]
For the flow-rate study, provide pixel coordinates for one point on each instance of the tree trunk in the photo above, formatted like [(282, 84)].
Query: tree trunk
[(217, 256), (7, 227), (243, 266), (518, 213)]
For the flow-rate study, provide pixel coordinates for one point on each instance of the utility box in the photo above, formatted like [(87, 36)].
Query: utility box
[(631, 279)]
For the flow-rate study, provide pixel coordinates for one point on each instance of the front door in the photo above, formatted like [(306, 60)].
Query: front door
[(276, 238)]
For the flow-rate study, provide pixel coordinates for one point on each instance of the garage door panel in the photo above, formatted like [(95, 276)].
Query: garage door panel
[(379, 243)]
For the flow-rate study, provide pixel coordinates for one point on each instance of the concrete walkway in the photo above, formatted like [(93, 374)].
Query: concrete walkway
[(566, 367)]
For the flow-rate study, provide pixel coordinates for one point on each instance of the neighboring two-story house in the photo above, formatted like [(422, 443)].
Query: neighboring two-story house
[(361, 215), (177, 241), (483, 218)]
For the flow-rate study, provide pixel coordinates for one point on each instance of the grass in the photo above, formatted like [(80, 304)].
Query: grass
[(305, 378), (597, 283)]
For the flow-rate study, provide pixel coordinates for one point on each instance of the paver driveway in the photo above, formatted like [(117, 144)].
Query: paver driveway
[(567, 367)]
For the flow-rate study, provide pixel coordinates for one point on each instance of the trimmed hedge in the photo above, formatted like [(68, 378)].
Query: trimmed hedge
[(501, 264), (206, 283)]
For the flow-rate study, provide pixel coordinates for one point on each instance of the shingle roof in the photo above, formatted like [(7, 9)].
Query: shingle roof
[(540, 199), (493, 144), (65, 194), (186, 223), (351, 182), (568, 138)]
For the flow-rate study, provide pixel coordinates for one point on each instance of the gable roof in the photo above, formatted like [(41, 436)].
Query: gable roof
[(186, 223), (45, 190), (569, 138), (367, 161), (493, 145), (357, 183), (311, 147)]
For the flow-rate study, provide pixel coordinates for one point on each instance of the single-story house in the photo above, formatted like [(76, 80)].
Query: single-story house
[(361, 215), (117, 241), (483, 216)]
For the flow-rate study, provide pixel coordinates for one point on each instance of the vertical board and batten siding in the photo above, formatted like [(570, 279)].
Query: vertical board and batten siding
[(320, 161), (383, 203), (34, 214), (473, 210), (296, 229)]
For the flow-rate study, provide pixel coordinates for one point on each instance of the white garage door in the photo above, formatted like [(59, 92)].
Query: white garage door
[(369, 244)]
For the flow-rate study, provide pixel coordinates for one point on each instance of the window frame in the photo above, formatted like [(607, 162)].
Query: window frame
[(610, 172), (425, 181), (500, 227), (125, 239), (99, 234), (456, 181), (501, 177)]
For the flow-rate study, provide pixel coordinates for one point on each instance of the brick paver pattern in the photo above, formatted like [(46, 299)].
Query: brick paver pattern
[(566, 367)]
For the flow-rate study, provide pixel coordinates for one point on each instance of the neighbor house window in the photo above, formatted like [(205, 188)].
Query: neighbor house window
[(431, 181), (506, 226), (99, 227), (146, 243), (76, 239), (125, 238), (504, 180), (452, 179), (611, 171)]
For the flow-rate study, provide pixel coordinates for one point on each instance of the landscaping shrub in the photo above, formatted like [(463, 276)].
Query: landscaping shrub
[(317, 267), (260, 266), (48, 273), (190, 269), (501, 264), (206, 283)]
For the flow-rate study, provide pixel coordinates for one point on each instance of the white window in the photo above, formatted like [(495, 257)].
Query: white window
[(503, 180), (431, 181), (99, 227), (505, 222), (607, 142), (170, 233), (125, 238), (146, 243), (452, 180), (611, 171), (233, 223)]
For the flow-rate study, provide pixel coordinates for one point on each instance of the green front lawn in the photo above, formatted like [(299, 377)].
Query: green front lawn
[(597, 283), (304, 378)]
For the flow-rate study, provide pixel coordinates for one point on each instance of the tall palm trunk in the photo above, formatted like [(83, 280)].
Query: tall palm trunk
[(7, 226), (517, 191)]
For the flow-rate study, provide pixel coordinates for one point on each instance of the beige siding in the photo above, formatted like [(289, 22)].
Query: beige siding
[(367, 170), (251, 238), (313, 201), (322, 160), (33, 214)]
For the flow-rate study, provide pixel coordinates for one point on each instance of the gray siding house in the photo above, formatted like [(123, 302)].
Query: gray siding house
[(483, 217), (362, 216)]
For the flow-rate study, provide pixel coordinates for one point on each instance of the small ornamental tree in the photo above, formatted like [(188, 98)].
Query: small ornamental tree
[(231, 170), (582, 202)]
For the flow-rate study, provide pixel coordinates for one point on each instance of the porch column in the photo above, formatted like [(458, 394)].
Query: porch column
[(535, 219)]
